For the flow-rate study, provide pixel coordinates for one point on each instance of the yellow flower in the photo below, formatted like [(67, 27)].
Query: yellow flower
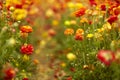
[(71, 56), (70, 5), (84, 20), (49, 13), (89, 35), (63, 64), (73, 22), (107, 26), (78, 5), (100, 30), (55, 23), (98, 36), (19, 14), (12, 8), (25, 58), (67, 23)]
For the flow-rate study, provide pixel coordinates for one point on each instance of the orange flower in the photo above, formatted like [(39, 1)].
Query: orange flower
[(80, 31), (26, 29), (80, 12), (35, 61), (69, 31), (23, 34)]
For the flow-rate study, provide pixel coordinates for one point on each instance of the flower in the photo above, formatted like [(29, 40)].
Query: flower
[(84, 20), (67, 23), (71, 56), (26, 29), (9, 74), (112, 19), (80, 12), (69, 31), (19, 14), (36, 61), (27, 49), (79, 37), (80, 31), (52, 32), (92, 2), (23, 34), (106, 56), (89, 35), (25, 79), (116, 10), (103, 7), (69, 78)]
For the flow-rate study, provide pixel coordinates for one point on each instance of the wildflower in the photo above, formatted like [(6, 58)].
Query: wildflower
[(26, 58), (69, 31), (92, 2), (49, 13), (52, 32), (9, 74), (112, 19), (85, 66), (70, 5), (116, 10), (55, 23), (107, 26), (80, 12), (71, 56), (89, 35), (103, 7), (19, 14), (27, 49), (67, 23), (79, 37), (25, 79), (26, 29), (69, 78), (73, 22), (12, 8), (80, 31), (23, 34), (78, 5), (36, 61), (84, 20), (63, 64), (106, 56)]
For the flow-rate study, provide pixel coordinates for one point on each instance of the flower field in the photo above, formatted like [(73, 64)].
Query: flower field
[(59, 39)]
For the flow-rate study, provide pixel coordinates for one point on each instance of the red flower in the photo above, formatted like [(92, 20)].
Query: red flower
[(72, 69), (106, 56), (51, 32), (69, 78), (92, 2), (26, 29), (27, 49), (79, 37), (117, 10), (112, 19), (80, 12), (25, 79), (19, 6), (9, 74), (103, 7)]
